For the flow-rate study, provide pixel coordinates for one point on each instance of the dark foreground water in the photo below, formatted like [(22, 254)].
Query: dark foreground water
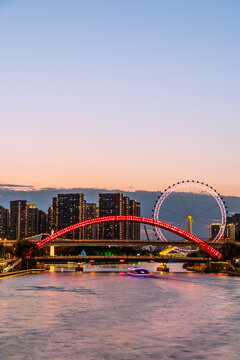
[(113, 316)]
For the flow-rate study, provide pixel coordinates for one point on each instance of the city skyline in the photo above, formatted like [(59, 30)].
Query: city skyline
[(119, 183), (205, 209), (132, 95), (24, 220)]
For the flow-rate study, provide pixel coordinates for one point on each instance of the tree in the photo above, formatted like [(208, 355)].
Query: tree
[(23, 246), (237, 236), (1, 251), (199, 253), (7, 251), (230, 250)]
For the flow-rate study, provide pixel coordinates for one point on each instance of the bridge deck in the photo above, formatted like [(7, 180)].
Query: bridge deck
[(105, 242), (118, 257)]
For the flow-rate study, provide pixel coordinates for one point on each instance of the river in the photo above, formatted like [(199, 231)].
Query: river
[(112, 316)]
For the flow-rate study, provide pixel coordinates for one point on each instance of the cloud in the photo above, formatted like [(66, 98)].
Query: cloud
[(15, 186), (43, 197)]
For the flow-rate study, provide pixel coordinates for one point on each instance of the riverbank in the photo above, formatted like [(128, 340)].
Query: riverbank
[(225, 268), (21, 272)]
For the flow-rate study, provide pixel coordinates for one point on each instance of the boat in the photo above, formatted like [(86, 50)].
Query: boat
[(137, 271), (79, 267), (163, 267)]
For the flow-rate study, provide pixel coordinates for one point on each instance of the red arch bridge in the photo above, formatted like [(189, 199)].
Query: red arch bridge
[(206, 247)]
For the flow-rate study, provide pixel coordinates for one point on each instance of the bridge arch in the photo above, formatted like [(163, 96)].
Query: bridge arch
[(207, 248)]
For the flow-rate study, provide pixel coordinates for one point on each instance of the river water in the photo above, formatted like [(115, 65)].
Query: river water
[(112, 316)]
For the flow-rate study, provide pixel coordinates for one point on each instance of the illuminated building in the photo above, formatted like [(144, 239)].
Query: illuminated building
[(52, 216), (17, 219), (134, 210), (131, 230), (25, 220), (35, 221), (126, 224), (214, 230), (235, 219), (69, 210), (231, 231), (31, 220), (3, 222), (42, 222), (90, 213), (111, 204)]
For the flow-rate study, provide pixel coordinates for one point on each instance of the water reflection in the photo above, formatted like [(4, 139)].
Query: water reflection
[(113, 316)]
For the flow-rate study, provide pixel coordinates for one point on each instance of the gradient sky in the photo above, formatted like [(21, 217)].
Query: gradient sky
[(127, 94)]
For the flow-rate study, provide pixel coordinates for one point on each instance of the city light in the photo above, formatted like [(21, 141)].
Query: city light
[(207, 248)]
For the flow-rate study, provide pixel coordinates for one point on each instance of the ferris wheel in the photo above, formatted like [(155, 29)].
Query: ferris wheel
[(192, 206)]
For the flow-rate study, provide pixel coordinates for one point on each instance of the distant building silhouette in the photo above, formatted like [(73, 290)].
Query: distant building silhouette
[(134, 210), (235, 219), (231, 231), (42, 222), (4, 219), (90, 213), (52, 216), (214, 230), (66, 210), (31, 220), (18, 224), (25, 220)]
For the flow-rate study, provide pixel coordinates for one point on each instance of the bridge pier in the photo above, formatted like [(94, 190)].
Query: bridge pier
[(52, 250)]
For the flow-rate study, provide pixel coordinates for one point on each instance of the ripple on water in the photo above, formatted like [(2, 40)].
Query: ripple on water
[(68, 289), (174, 316)]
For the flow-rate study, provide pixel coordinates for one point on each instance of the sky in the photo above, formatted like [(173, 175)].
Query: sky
[(120, 94)]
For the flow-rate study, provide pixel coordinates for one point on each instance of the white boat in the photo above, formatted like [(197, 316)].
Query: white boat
[(138, 271)]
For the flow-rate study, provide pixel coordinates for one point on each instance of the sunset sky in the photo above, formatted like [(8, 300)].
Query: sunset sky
[(120, 94)]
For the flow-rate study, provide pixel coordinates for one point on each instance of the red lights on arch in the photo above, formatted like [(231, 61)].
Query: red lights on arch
[(207, 248)]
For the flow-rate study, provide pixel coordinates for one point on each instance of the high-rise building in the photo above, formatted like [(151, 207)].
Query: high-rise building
[(231, 231), (126, 224), (214, 230), (131, 230), (110, 204), (90, 213), (235, 219), (25, 220), (42, 222), (31, 228), (68, 209), (52, 216), (134, 210), (18, 210), (3, 222)]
